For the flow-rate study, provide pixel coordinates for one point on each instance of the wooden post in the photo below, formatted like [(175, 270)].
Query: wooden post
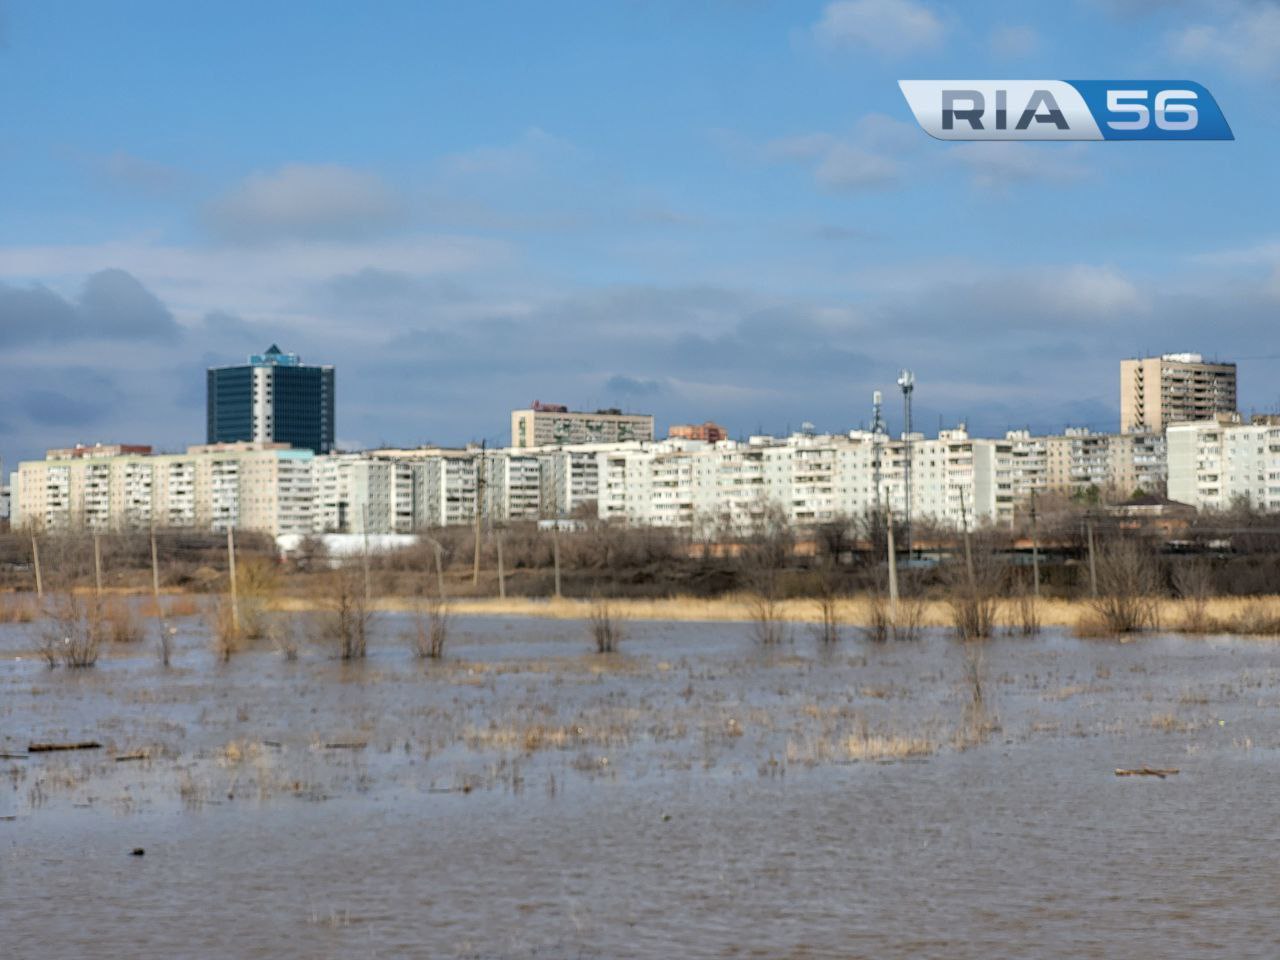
[(893, 569), (1093, 565), (97, 565), (502, 570), (35, 562), (231, 567), (479, 512), (1035, 550), (365, 558), (155, 573), (439, 568), (555, 553)]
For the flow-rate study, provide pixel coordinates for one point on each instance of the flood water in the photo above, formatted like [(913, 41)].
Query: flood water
[(695, 795)]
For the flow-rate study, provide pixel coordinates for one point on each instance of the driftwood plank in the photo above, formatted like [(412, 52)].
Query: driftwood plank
[(50, 747), (1146, 772)]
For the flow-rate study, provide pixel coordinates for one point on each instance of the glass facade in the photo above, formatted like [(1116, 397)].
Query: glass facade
[(290, 402)]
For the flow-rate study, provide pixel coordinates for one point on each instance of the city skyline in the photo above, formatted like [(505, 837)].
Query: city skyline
[(714, 212)]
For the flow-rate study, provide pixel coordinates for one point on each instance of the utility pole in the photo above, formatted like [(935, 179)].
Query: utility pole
[(155, 571), (97, 565), (907, 381), (1093, 565), (479, 511), (893, 570), (35, 562), (365, 558), (231, 567), (555, 553), (502, 571), (435, 545), (1035, 550)]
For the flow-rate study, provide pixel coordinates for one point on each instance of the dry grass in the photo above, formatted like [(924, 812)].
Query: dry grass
[(15, 609), (169, 608), (865, 746), (913, 614), (121, 621)]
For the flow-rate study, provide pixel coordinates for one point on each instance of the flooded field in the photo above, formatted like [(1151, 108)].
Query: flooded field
[(695, 795)]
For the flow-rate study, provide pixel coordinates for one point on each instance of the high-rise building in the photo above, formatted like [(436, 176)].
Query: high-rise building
[(274, 398), (553, 424), (1158, 391)]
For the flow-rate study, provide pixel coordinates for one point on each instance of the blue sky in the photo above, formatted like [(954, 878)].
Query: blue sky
[(707, 210)]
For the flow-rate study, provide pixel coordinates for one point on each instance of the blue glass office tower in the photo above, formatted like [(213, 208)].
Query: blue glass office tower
[(274, 398)]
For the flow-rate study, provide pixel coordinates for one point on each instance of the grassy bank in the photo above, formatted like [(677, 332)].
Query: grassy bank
[(1220, 614)]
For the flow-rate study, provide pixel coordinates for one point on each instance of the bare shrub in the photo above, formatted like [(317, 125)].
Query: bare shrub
[(284, 636), (884, 623), (879, 622), (430, 632), (1128, 585), (225, 632), (74, 635), (605, 626), (347, 615), (764, 557), (257, 585), (1024, 613), (972, 592), (977, 722), (1193, 583), (828, 627)]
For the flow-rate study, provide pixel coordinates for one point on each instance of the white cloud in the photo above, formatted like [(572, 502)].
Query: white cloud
[(255, 281), (868, 158), (892, 27), (1248, 40), (325, 200), (847, 166), (1014, 40), (1094, 290), (1001, 164)]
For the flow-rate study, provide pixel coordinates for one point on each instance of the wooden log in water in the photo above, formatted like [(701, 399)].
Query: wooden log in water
[(1146, 772), (51, 747)]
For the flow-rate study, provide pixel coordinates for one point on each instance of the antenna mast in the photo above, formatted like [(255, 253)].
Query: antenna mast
[(907, 381)]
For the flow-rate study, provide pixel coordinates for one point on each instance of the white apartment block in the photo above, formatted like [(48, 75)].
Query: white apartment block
[(1214, 464), (265, 487), (727, 487)]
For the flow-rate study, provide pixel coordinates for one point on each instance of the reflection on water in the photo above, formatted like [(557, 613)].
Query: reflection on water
[(695, 796)]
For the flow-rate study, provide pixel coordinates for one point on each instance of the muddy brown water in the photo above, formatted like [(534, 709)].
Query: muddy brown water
[(694, 796)]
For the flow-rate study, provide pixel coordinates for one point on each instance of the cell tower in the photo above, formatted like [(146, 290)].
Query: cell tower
[(907, 381), (877, 431)]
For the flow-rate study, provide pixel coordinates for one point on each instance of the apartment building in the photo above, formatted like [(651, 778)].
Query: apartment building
[(1158, 391), (1216, 463), (553, 424), (265, 487), (1080, 461)]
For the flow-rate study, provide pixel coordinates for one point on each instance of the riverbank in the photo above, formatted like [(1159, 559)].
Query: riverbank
[(852, 611)]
